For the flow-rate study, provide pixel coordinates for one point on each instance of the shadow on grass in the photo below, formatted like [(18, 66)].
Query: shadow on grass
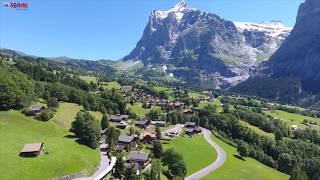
[(239, 157), (79, 141), (70, 136)]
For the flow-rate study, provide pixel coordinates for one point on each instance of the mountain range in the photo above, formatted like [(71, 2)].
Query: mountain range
[(208, 47), (202, 49)]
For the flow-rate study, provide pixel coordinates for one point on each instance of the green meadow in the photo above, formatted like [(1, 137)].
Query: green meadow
[(196, 152), (238, 169), (65, 156)]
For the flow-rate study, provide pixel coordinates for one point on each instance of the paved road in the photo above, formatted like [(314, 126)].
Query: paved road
[(221, 158), (105, 166)]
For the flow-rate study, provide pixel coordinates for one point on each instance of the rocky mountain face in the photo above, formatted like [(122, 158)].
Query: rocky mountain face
[(208, 45), (299, 56)]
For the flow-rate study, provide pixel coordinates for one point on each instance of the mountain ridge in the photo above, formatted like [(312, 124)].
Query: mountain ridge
[(189, 38)]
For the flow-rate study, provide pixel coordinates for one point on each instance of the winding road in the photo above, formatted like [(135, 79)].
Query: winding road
[(104, 168), (221, 158)]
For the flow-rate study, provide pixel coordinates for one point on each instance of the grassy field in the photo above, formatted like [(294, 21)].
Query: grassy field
[(194, 95), (197, 153), (138, 109), (89, 79), (111, 85), (237, 169), (65, 155), (167, 90), (214, 102), (66, 114), (257, 130), (293, 119), (161, 88)]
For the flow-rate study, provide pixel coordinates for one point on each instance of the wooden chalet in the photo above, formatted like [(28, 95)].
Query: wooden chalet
[(148, 137), (31, 150), (126, 142), (34, 109), (142, 124), (139, 157), (118, 118), (189, 125)]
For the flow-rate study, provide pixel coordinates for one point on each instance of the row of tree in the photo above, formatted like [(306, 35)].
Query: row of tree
[(286, 155)]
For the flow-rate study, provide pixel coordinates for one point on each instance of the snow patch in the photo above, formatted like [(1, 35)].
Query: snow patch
[(273, 28), (178, 10)]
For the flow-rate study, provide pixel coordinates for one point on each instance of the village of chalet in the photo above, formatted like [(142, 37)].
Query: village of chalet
[(140, 132)]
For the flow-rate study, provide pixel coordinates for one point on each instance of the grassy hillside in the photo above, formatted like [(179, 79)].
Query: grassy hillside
[(237, 169), (65, 155), (257, 130), (293, 119), (89, 79), (66, 114), (112, 85), (197, 153), (138, 109)]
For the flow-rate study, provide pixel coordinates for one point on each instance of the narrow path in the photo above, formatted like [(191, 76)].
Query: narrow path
[(221, 158)]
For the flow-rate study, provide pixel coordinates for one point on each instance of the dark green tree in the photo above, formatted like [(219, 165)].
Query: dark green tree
[(119, 168), (87, 129), (105, 121), (175, 163), (278, 135), (158, 133), (243, 149), (157, 149), (130, 173), (53, 102)]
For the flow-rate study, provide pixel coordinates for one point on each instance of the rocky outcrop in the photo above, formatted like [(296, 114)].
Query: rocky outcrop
[(299, 56)]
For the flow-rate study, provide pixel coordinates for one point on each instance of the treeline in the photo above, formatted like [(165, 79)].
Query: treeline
[(294, 157), (39, 70), (308, 134), (260, 103), (266, 123), (149, 89), (282, 90), (304, 112), (106, 102), (243, 101), (18, 89)]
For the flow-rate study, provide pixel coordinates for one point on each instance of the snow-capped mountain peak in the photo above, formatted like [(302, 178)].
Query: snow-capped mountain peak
[(180, 6), (178, 10), (272, 28), (188, 37)]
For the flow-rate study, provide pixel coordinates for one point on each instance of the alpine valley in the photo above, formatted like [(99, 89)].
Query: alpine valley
[(198, 97)]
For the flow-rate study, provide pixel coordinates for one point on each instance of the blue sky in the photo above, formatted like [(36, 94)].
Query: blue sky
[(109, 29)]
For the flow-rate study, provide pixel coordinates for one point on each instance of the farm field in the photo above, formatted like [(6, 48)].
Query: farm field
[(89, 79), (293, 119), (111, 85), (167, 90), (196, 152), (215, 102), (237, 169), (65, 114), (65, 156), (138, 109), (257, 130)]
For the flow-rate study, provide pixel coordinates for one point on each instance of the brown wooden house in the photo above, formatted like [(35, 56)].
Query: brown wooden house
[(31, 150)]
